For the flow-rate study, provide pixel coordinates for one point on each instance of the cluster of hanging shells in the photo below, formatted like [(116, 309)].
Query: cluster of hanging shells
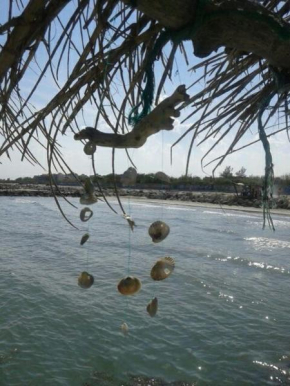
[(86, 280), (158, 231), (161, 270)]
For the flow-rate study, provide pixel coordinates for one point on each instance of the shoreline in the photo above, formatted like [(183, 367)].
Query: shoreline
[(209, 200), (280, 212)]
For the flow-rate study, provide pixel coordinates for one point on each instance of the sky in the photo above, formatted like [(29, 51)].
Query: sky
[(154, 156)]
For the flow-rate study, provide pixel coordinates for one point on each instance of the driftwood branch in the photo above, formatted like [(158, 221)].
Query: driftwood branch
[(159, 119)]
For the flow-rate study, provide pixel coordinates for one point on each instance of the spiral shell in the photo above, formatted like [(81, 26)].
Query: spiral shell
[(85, 280), (152, 307), (90, 148), (162, 268), (85, 238), (158, 231), (129, 285), (86, 214)]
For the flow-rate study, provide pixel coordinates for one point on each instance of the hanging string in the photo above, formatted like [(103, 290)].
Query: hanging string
[(268, 182), (166, 36), (88, 222), (129, 238), (162, 149)]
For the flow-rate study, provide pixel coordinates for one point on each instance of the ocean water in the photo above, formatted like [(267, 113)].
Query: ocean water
[(224, 313)]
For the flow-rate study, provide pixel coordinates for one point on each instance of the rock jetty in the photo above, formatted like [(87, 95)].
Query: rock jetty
[(231, 199)]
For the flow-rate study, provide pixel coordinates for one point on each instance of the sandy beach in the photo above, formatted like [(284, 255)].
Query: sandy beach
[(281, 212)]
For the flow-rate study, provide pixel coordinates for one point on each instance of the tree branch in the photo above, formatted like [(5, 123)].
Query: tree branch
[(239, 24), (158, 119)]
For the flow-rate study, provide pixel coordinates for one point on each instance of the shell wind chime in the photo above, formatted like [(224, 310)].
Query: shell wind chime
[(158, 231), (90, 148), (88, 198), (124, 328), (85, 238), (129, 285), (152, 307), (86, 214), (162, 269), (86, 280)]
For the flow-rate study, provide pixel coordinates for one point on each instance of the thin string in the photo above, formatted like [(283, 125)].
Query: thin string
[(129, 242), (129, 238), (88, 222), (162, 204)]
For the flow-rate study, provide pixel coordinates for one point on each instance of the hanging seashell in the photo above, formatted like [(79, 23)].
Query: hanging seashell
[(85, 280), (158, 231), (90, 148), (124, 328), (152, 307), (85, 238), (89, 186), (86, 214), (162, 177), (88, 199), (131, 222), (129, 177), (129, 285), (162, 268)]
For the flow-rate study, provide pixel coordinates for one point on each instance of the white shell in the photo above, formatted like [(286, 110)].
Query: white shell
[(86, 214), (124, 328), (131, 222)]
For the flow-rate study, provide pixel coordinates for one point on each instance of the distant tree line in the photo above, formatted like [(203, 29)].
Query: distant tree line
[(227, 177)]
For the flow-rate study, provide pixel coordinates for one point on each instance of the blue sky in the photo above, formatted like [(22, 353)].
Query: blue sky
[(155, 154)]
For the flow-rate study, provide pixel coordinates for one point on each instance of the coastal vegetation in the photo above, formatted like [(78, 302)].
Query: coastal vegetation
[(151, 180)]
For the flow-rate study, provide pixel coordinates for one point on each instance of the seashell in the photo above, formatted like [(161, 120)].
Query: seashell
[(129, 177), (131, 222), (158, 231), (129, 285), (162, 268), (85, 238), (86, 214), (162, 177), (88, 199), (152, 307), (124, 328), (85, 280), (90, 148), (89, 186)]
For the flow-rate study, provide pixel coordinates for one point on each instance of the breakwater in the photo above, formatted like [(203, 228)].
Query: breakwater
[(220, 198)]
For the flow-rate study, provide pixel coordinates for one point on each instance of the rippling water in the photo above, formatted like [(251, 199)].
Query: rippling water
[(223, 315)]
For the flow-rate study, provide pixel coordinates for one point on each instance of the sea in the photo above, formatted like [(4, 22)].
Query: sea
[(223, 316)]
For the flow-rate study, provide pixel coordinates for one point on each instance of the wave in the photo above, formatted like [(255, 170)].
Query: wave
[(23, 201), (261, 243), (234, 214), (253, 264)]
